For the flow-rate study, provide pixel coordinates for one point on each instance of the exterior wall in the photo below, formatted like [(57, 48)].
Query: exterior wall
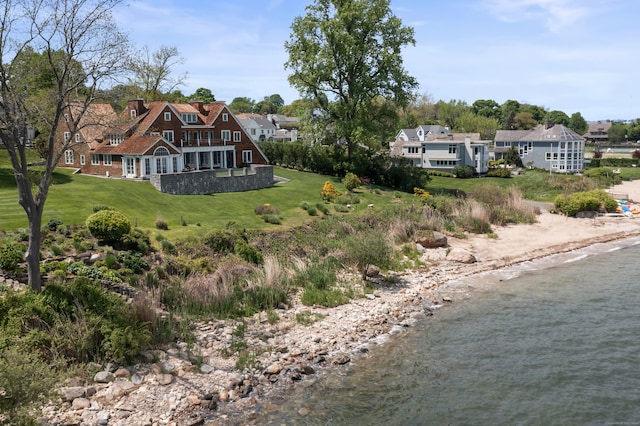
[(206, 181), (245, 144), (559, 156)]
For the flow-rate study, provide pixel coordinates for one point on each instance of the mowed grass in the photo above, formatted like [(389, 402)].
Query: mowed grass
[(72, 198)]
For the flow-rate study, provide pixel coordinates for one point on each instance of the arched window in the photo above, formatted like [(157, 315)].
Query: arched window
[(161, 152), (161, 163)]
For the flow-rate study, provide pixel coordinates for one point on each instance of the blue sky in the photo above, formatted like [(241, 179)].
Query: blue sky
[(569, 55)]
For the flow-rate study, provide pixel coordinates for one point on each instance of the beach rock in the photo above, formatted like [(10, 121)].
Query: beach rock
[(373, 271), (71, 393), (104, 377), (461, 256), (433, 239), (341, 359), (80, 403)]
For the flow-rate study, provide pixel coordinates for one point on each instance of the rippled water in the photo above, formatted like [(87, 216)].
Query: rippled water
[(558, 343)]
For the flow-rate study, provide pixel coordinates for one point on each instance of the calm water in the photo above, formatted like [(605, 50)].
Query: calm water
[(556, 342)]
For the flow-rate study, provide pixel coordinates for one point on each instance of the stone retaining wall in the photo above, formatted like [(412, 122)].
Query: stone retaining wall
[(202, 182)]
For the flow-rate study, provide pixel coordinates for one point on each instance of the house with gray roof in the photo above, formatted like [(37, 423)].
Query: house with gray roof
[(598, 132), (436, 148), (258, 127), (555, 148)]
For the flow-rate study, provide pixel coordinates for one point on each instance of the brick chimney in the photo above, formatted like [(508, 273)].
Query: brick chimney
[(136, 107), (197, 104)]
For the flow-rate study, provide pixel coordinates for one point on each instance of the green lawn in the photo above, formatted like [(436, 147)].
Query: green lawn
[(72, 198)]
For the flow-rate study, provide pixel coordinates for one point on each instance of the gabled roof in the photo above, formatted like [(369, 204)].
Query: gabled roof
[(510, 135), (410, 134), (433, 128), (137, 145), (598, 127), (96, 120)]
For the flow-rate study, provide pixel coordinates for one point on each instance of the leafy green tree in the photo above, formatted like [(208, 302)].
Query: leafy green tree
[(345, 54), (524, 121), (241, 104), (509, 110), (578, 124), (512, 157), (617, 133), (557, 117), (634, 133), (152, 71), (537, 112), (297, 108), (276, 100), (448, 113), (203, 94), (471, 123), (487, 108), (82, 32)]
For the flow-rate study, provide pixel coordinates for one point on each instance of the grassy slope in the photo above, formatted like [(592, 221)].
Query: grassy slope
[(72, 197)]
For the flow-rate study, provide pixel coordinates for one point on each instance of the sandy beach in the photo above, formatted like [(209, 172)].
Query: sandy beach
[(196, 385)]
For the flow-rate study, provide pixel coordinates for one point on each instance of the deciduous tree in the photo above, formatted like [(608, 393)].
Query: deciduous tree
[(346, 54), (577, 123), (66, 33), (152, 71)]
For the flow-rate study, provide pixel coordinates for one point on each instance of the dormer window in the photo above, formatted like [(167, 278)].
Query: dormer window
[(133, 113), (115, 139), (189, 117)]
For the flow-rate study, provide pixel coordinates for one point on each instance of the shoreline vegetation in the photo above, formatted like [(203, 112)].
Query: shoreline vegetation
[(231, 371)]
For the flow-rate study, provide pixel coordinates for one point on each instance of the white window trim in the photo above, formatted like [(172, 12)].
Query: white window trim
[(225, 135), (68, 157), (237, 136), (168, 135), (225, 117), (247, 156), (107, 159), (95, 159), (167, 116), (67, 136), (82, 160)]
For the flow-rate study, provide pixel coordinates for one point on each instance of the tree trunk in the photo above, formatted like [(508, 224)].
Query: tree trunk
[(33, 252)]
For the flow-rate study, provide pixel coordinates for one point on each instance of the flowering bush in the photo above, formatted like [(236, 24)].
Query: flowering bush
[(329, 192)]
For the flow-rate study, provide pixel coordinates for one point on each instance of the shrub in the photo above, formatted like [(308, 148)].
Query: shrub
[(351, 181), (11, 254), (100, 207), (312, 296), (329, 192), (368, 247), (304, 205), (266, 209), (53, 224), (137, 240), (248, 252), (273, 219), (500, 172), (108, 225), (635, 154), (323, 208), (585, 201), (162, 224), (133, 260), (312, 211), (464, 172), (25, 378), (341, 208)]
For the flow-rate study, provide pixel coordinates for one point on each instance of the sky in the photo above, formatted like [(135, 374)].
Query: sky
[(568, 55)]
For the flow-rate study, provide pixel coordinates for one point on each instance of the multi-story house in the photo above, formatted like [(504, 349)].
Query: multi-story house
[(555, 148), (598, 132), (258, 126), (436, 148), (158, 138)]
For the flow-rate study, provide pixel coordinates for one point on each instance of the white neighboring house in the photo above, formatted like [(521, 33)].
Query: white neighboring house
[(436, 148), (258, 127)]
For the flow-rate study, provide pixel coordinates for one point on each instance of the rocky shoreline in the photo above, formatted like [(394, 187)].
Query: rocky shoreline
[(196, 385)]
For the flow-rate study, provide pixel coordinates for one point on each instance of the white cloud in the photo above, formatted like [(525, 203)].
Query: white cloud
[(556, 14)]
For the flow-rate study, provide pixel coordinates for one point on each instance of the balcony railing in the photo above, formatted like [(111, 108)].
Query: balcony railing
[(182, 143)]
